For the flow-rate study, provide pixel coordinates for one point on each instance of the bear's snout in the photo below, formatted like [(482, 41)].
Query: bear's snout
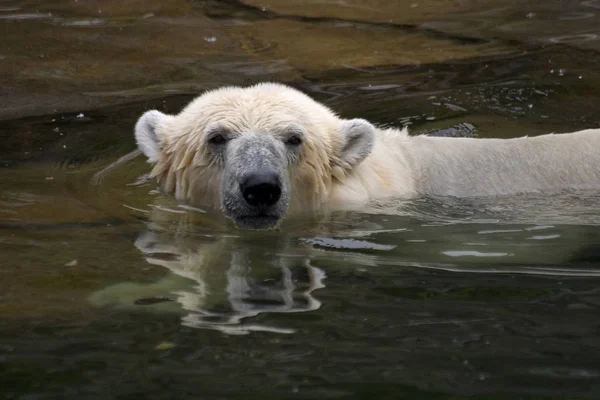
[(261, 189), (255, 189)]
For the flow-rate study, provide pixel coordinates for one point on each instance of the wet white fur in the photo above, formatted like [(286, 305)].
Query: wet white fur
[(350, 162)]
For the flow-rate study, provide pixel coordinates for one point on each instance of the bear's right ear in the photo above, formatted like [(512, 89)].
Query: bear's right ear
[(146, 135)]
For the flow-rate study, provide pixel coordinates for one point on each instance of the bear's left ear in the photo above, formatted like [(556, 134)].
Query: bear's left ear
[(358, 138), (146, 135)]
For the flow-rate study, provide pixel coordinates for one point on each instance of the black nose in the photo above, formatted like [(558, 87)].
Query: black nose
[(261, 189)]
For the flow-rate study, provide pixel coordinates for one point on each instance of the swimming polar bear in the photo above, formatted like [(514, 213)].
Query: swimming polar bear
[(267, 152)]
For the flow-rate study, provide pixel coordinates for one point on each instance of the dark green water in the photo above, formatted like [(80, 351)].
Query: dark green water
[(109, 290)]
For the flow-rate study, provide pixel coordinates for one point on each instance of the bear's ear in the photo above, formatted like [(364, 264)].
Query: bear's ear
[(358, 138), (146, 135)]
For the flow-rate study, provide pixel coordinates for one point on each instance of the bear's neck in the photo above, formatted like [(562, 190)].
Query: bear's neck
[(385, 172)]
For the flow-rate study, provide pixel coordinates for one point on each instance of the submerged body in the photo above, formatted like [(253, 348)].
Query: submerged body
[(405, 166), (268, 151)]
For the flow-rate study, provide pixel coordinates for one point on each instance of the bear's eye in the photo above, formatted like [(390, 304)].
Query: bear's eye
[(217, 139), (294, 140)]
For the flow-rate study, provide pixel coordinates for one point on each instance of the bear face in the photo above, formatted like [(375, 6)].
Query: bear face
[(257, 153)]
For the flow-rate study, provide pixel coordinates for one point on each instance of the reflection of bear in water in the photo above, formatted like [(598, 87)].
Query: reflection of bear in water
[(267, 152), (217, 281)]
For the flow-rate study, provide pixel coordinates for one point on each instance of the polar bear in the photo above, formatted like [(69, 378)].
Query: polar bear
[(267, 152)]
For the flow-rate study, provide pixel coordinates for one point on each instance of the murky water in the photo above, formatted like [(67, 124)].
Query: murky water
[(109, 290)]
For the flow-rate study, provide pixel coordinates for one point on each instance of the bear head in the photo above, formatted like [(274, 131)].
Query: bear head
[(257, 153)]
